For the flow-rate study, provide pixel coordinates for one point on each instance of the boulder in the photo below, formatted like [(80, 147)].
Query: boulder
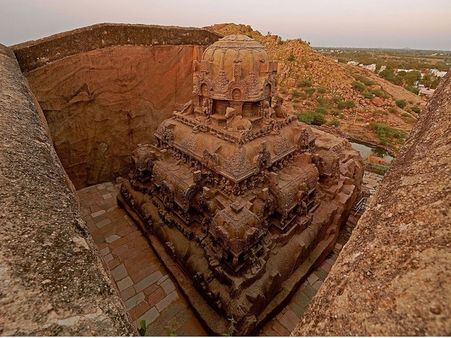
[(377, 101)]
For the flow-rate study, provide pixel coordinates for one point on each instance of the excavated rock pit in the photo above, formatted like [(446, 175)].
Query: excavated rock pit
[(100, 89)]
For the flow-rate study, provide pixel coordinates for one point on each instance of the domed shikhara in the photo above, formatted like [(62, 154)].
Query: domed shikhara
[(235, 68)]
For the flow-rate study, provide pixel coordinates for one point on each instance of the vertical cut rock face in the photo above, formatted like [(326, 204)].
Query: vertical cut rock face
[(52, 281), (100, 104), (106, 88), (393, 276)]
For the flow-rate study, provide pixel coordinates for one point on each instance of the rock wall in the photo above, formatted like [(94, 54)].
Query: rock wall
[(38, 53), (106, 88), (52, 281), (393, 276)]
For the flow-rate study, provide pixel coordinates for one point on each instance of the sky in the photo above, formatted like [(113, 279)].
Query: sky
[(416, 24)]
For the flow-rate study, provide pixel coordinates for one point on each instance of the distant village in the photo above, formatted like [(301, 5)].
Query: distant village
[(422, 89), (424, 79)]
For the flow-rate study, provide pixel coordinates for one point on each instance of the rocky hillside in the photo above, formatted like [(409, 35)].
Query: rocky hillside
[(392, 276), (349, 99)]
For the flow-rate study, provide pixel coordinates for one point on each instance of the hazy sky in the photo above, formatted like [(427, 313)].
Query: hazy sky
[(424, 24)]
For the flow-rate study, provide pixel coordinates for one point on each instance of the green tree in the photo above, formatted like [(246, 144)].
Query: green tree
[(334, 123), (314, 118), (411, 77), (359, 86), (416, 109), (345, 104), (401, 103), (389, 75), (304, 83)]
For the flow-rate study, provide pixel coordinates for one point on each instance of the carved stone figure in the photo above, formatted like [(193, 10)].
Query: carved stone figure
[(263, 159), (142, 165), (206, 106), (267, 110), (187, 108), (236, 122), (277, 106), (239, 194)]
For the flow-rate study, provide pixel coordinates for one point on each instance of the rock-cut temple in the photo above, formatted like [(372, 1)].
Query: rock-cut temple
[(237, 197)]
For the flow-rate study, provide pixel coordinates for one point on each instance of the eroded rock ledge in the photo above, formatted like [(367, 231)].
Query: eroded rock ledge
[(36, 53), (51, 278), (392, 277)]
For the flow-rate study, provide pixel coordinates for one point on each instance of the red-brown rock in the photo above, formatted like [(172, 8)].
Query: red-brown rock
[(377, 101)]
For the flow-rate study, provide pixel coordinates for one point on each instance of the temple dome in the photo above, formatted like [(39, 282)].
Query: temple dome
[(236, 68)]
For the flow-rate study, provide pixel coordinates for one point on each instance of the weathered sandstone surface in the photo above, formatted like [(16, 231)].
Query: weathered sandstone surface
[(52, 281), (393, 276), (103, 98), (100, 104)]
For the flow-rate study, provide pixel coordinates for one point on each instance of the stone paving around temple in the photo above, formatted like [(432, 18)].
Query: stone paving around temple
[(147, 290)]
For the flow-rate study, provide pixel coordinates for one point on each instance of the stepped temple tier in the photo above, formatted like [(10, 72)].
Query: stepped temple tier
[(238, 198)]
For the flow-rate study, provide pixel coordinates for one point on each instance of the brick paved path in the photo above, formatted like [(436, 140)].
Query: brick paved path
[(148, 291)]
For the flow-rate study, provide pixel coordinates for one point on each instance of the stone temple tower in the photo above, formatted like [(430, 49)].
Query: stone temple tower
[(235, 71), (237, 197)]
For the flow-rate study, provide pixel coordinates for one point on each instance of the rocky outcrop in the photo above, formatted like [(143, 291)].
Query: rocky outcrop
[(392, 277), (104, 89), (52, 281)]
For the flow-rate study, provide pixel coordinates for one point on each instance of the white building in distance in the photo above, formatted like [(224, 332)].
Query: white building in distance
[(437, 72), (372, 67)]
